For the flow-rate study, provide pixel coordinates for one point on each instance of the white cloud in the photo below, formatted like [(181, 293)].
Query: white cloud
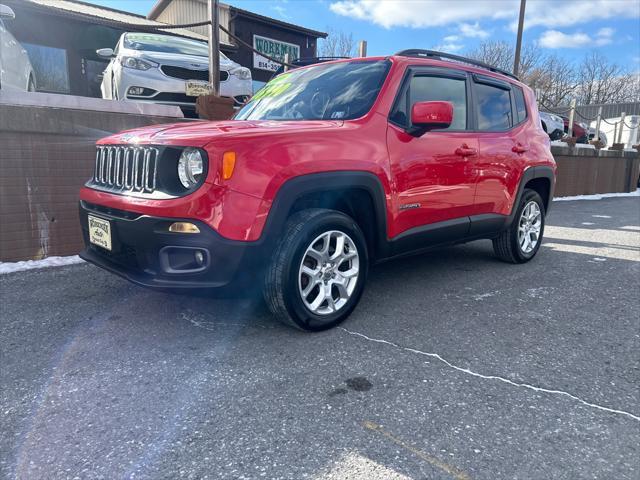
[(605, 32), (557, 39), (282, 11), (473, 30), (553, 14), (449, 47), (429, 13), (451, 38), (422, 13)]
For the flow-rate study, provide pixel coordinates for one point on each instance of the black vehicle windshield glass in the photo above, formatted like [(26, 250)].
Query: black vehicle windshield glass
[(151, 42), (338, 91)]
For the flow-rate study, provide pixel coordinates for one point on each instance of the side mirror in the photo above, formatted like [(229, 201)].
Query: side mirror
[(6, 13), (105, 52), (427, 116)]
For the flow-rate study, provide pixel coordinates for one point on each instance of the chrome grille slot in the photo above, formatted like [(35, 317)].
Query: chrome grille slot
[(123, 168)]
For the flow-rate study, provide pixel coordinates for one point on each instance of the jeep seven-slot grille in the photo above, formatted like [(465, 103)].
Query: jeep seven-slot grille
[(126, 168)]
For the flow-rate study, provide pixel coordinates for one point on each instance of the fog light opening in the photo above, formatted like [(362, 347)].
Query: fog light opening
[(183, 227)]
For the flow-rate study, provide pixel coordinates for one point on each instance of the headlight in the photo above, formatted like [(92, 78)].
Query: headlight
[(241, 72), (137, 63), (190, 167)]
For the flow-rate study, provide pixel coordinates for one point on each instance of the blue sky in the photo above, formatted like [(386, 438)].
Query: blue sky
[(569, 28)]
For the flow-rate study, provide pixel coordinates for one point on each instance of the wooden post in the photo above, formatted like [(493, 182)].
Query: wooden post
[(362, 48), (286, 60), (571, 115), (516, 60), (621, 127), (596, 135), (214, 48)]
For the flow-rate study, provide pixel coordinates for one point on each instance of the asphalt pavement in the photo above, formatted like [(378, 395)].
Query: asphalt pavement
[(454, 366)]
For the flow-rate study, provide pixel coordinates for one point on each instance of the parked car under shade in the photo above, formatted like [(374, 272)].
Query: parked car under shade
[(601, 135), (16, 71), (553, 125), (150, 67), (579, 130)]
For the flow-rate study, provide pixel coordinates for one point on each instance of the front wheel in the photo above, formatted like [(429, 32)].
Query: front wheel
[(317, 273), (521, 241)]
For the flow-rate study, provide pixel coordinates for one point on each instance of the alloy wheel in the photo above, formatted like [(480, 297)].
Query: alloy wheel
[(529, 227), (328, 272)]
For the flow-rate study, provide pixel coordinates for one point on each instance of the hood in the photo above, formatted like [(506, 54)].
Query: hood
[(200, 133), (196, 62)]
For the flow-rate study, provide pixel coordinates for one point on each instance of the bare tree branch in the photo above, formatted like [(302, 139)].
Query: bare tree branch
[(337, 44)]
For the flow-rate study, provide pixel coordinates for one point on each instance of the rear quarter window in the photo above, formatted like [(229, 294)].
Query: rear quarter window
[(493, 107), (521, 105)]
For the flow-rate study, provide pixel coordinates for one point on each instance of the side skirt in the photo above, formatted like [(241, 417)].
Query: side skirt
[(449, 232)]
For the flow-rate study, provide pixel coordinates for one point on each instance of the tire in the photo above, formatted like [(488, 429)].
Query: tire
[(305, 236), (507, 246)]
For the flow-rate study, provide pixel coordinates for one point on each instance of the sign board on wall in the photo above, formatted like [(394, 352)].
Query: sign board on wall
[(274, 48)]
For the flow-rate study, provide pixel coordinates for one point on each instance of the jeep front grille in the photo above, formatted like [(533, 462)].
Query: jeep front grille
[(126, 168)]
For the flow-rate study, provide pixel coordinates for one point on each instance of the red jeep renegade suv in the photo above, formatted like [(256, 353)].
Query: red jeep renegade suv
[(328, 169)]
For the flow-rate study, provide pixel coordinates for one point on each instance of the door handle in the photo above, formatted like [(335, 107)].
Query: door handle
[(519, 149), (465, 151)]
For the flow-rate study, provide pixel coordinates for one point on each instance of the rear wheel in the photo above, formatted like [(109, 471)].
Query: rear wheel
[(521, 241), (317, 274)]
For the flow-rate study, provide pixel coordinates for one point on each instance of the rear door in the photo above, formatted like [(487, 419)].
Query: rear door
[(434, 176), (503, 143)]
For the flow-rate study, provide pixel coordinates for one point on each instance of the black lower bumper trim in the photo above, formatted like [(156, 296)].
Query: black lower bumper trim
[(140, 246)]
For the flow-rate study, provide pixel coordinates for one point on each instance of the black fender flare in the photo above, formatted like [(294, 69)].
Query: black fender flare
[(297, 187), (529, 174)]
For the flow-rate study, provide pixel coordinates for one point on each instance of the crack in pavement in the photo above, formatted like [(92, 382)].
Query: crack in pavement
[(492, 377)]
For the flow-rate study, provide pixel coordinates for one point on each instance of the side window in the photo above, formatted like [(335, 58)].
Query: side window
[(521, 106), (426, 89), (494, 108)]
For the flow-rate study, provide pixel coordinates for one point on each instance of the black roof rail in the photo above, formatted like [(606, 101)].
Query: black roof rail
[(417, 52)]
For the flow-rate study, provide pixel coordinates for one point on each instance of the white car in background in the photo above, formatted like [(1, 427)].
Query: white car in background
[(553, 125), (16, 72), (151, 67)]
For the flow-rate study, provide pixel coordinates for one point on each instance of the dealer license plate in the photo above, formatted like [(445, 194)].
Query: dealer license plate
[(195, 88), (100, 232)]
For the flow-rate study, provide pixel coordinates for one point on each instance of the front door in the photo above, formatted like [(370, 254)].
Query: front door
[(434, 175)]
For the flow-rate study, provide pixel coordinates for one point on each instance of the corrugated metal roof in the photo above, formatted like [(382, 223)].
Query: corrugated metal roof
[(106, 16), (160, 5)]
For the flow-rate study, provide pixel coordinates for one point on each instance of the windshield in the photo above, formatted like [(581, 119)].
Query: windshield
[(152, 42), (337, 91)]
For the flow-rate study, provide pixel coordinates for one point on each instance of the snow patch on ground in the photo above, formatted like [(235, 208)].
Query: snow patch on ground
[(11, 267), (598, 196)]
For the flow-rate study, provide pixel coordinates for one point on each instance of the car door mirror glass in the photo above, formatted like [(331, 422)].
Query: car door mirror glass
[(105, 52), (6, 12), (427, 116)]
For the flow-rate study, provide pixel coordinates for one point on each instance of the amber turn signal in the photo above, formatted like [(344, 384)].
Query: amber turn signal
[(228, 164), (183, 227)]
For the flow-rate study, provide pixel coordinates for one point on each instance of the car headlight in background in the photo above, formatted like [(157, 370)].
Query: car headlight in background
[(137, 63), (190, 167), (241, 72)]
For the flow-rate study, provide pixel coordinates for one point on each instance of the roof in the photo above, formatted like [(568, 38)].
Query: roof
[(105, 16), (162, 4), (279, 23)]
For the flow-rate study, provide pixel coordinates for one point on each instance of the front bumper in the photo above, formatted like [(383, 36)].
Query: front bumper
[(171, 91), (146, 253)]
